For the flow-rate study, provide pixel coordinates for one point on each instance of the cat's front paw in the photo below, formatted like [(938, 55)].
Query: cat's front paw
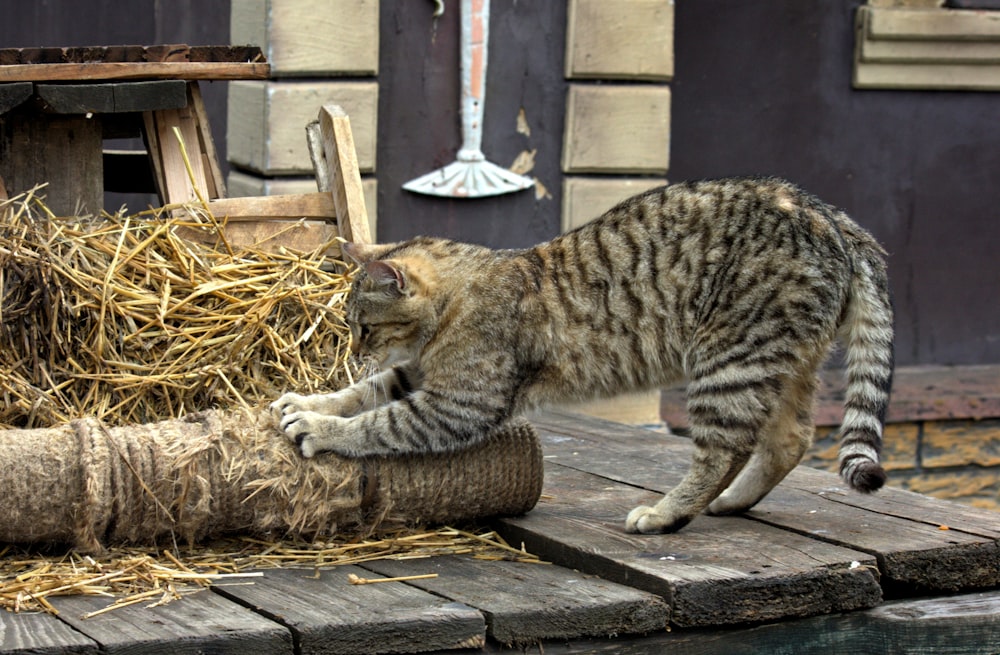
[(309, 431), (289, 403), (648, 520)]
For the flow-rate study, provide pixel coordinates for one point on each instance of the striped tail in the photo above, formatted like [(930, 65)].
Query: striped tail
[(868, 329)]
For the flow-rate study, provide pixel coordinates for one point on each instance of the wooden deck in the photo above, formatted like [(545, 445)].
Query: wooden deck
[(813, 569)]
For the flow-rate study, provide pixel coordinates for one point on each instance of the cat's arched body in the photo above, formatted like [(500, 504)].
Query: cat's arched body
[(740, 286)]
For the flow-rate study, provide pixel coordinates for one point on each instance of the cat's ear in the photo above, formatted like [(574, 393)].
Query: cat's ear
[(388, 275), (363, 254)]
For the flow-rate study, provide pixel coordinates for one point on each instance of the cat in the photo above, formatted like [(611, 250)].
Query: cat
[(740, 286)]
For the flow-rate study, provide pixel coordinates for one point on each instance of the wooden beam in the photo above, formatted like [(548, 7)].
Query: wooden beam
[(134, 71), (313, 206), (13, 94), (114, 97), (345, 178)]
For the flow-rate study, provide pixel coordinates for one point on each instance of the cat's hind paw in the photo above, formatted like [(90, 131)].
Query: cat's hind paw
[(647, 520)]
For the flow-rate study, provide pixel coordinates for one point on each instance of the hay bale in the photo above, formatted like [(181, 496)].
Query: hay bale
[(208, 474), (122, 318)]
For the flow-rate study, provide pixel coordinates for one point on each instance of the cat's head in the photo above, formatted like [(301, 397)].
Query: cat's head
[(390, 307)]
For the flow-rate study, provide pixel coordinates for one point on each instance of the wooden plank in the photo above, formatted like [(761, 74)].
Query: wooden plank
[(63, 151), (345, 176), (717, 571), (266, 123), (41, 634), (199, 622), (948, 24), (317, 206), (901, 529), (206, 143), (134, 71), (106, 98), (13, 94), (173, 180), (172, 52), (642, 31), (617, 128), (961, 625), (525, 603), (329, 615)]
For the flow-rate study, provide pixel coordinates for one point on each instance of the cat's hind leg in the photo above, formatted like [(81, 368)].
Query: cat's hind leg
[(780, 447), (726, 415)]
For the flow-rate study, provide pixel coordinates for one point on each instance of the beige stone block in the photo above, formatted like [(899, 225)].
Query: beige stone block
[(267, 121), (633, 408), (586, 198), (314, 38), (631, 39), (617, 128), (243, 184)]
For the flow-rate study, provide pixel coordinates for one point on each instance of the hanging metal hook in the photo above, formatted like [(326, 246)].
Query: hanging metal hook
[(438, 8)]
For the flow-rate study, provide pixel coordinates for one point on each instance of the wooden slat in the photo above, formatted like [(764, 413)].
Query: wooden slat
[(899, 528), (330, 615), (41, 634), (961, 625), (134, 71), (109, 98), (345, 182), (524, 603), (716, 571), (64, 151), (198, 623), (13, 94), (314, 206), (170, 52), (206, 143)]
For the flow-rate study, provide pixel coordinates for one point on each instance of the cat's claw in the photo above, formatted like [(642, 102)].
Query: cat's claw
[(289, 403), (298, 427)]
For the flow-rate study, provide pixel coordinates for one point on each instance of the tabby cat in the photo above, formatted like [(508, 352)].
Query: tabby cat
[(741, 286)]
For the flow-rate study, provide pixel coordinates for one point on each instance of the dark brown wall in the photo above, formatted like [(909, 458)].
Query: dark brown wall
[(133, 22), (764, 87), (419, 128)]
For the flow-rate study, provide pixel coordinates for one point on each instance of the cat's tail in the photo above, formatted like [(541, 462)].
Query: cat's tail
[(868, 333)]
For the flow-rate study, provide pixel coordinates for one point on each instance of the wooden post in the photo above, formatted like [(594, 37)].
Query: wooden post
[(345, 176)]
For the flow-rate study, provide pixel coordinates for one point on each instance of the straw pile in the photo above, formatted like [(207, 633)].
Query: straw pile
[(134, 575), (120, 318)]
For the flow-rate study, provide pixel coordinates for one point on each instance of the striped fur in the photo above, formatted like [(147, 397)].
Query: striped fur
[(740, 286)]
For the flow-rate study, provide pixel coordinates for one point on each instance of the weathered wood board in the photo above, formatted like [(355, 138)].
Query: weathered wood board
[(13, 94), (524, 603), (113, 97), (960, 625), (902, 530), (180, 62), (200, 622), (41, 634), (329, 615), (716, 571)]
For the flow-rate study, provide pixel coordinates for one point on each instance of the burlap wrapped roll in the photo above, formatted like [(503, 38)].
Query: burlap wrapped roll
[(213, 473)]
